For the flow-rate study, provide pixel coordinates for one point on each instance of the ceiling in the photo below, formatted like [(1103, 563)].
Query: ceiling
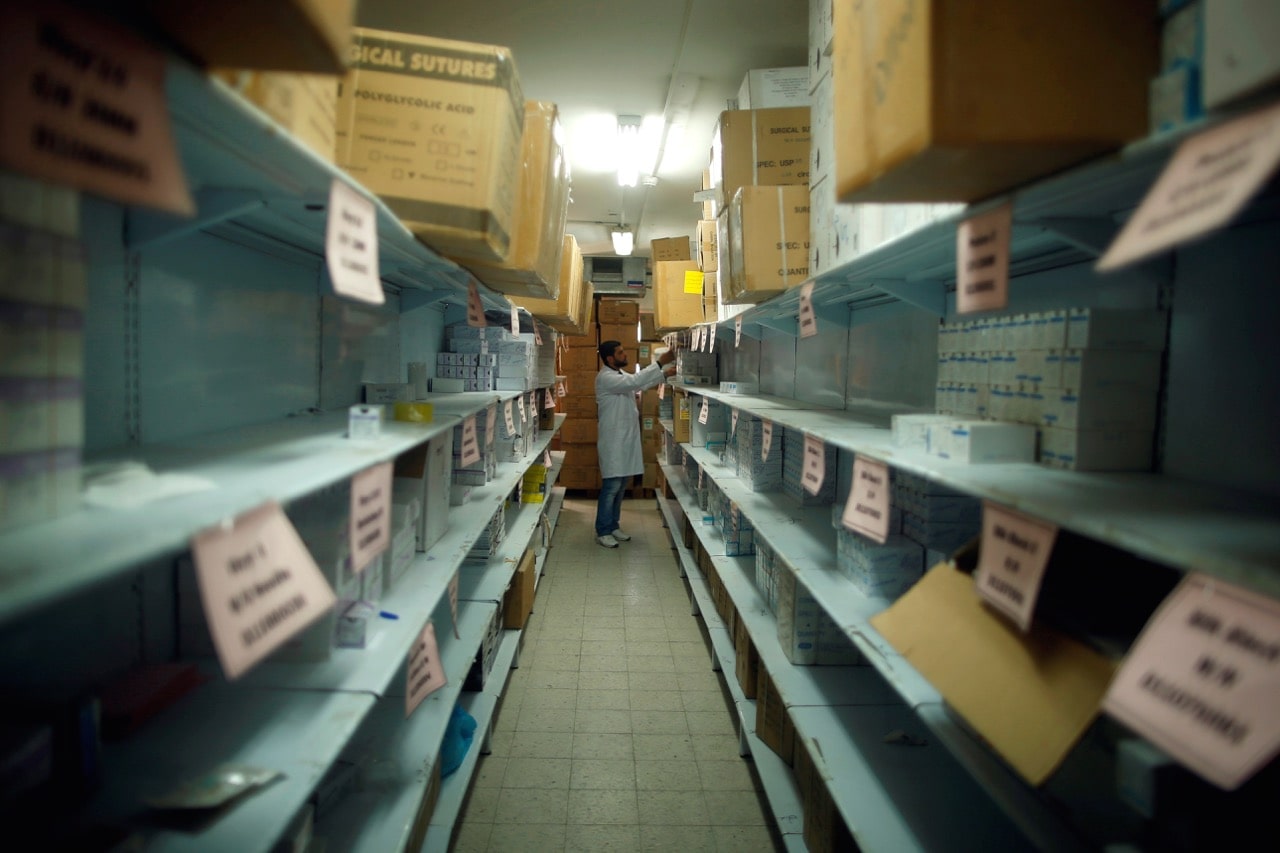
[(600, 58)]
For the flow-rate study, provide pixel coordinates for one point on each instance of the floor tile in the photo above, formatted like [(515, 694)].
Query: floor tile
[(602, 745), (548, 678), (652, 681), (501, 742), (548, 773), (612, 774), (645, 648), (612, 700), (554, 697), (651, 663), (689, 649), (704, 700), (532, 806), (656, 700), (545, 661), (606, 680), (667, 775), (541, 745), (726, 776), (603, 663), (706, 680), (592, 620), (558, 647), (735, 839), (481, 805), (686, 839), (710, 723), (659, 722), (713, 747), (690, 664), (672, 808), (733, 808), (472, 837), (610, 642), (602, 807), (544, 720), (584, 838), (489, 771), (515, 838), (602, 721), (664, 747)]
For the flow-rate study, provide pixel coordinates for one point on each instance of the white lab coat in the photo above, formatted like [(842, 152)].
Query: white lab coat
[(618, 441)]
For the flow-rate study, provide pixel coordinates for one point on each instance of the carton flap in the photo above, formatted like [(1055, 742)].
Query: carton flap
[(1030, 696)]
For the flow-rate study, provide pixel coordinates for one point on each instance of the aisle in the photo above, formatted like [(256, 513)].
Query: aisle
[(614, 733)]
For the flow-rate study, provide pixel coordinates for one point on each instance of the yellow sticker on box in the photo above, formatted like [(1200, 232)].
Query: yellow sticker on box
[(693, 281)]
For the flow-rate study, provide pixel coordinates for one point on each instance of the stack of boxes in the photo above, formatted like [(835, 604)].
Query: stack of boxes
[(487, 544), (569, 312), (697, 368), (739, 535), (793, 470), (579, 363), (807, 635), (486, 655), (475, 474), (757, 474), (651, 433), (679, 286), (42, 300), (715, 431), (937, 518), (1176, 90), (885, 571), (533, 488)]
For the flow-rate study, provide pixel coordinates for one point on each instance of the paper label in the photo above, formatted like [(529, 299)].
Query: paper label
[(982, 261), (475, 308), (693, 282), (815, 464), (808, 319), (662, 390), (1015, 551), (546, 459), (84, 104), (1207, 182), (704, 411), (515, 318), (766, 432), (560, 389), (453, 604), (711, 332), (424, 673), (695, 339), (701, 472), (867, 510), (549, 400), (737, 332), (524, 418), (1202, 682), (537, 335), (470, 447), (733, 422), (490, 425), (259, 586), (370, 530), (351, 244), (509, 418)]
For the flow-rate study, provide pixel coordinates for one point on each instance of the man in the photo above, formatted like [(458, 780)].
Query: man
[(618, 443)]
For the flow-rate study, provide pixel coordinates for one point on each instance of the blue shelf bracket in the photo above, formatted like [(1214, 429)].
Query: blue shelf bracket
[(145, 229), (789, 326), (929, 295), (1088, 234)]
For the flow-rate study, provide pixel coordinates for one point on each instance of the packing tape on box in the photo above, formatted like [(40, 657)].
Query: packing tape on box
[(420, 413)]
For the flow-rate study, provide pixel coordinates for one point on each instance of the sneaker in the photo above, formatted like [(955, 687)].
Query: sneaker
[(607, 541), (620, 536)]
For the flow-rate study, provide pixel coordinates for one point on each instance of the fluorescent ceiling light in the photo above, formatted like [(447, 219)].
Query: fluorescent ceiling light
[(629, 150), (623, 241)]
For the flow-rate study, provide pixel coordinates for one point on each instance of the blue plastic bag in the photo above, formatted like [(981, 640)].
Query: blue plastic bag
[(457, 740)]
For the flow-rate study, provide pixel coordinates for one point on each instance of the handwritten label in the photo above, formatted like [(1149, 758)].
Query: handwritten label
[(351, 244), (737, 333), (531, 404), (515, 318), (815, 464), (537, 335), (549, 401), (560, 389), (766, 433), (982, 261), (370, 530), (701, 472), (693, 282), (808, 318), (490, 425), (509, 418), (424, 674), (470, 447), (546, 459), (711, 333), (524, 418), (867, 510), (733, 422), (475, 308), (84, 104), (705, 411), (1207, 182), (1202, 682), (453, 604), (1015, 551), (662, 390), (259, 586)]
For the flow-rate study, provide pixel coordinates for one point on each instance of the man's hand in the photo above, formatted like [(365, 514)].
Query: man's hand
[(667, 357), (669, 371)]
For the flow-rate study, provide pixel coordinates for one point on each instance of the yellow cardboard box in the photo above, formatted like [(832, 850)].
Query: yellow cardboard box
[(564, 313), (677, 298), (306, 105), (768, 242), (670, 249), (759, 148)]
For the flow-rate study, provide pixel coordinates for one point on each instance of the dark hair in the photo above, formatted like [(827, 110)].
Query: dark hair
[(608, 348)]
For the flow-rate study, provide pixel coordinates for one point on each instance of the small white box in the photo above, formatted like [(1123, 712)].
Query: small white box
[(768, 88), (740, 388), (1087, 370), (981, 442), (912, 431), (1239, 49), (1101, 409), (797, 616), (1096, 450), (1101, 328)]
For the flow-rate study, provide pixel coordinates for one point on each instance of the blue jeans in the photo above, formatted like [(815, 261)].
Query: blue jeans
[(609, 509)]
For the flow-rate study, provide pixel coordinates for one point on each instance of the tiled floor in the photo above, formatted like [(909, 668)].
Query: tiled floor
[(614, 733)]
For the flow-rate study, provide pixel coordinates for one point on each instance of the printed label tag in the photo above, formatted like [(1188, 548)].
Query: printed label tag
[(546, 459), (509, 418), (982, 260), (808, 319), (259, 586), (524, 418), (537, 335), (453, 604), (490, 424), (737, 332), (1202, 682), (733, 422), (1015, 551), (867, 510), (711, 333), (515, 318), (1207, 182), (549, 401), (351, 244), (424, 674), (705, 411), (662, 390), (475, 308), (470, 447), (560, 389), (766, 432), (370, 530), (815, 464)]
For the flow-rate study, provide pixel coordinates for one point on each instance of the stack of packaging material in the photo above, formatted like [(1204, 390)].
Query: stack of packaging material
[(808, 636), (570, 311), (579, 363), (42, 302), (766, 574), (672, 453), (886, 570), (490, 538), (517, 364), (739, 535), (757, 474), (677, 295), (480, 472), (533, 488), (713, 433), (651, 432), (697, 368), (939, 519), (793, 471), (509, 444), (546, 367), (471, 362)]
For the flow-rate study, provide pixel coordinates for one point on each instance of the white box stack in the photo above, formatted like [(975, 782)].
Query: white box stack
[(490, 538), (938, 518), (798, 616), (766, 575), (886, 570), (758, 475), (793, 470), (697, 368), (739, 535), (517, 364), (715, 431)]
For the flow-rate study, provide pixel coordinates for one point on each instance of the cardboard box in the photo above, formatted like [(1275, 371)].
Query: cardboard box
[(670, 249), (425, 473), (681, 422), (677, 295), (773, 723), (649, 402), (651, 475), (767, 88), (580, 431), (648, 327), (580, 456), (582, 383), (579, 359), (824, 828), (769, 242), (617, 311), (912, 127), (582, 341), (820, 13), (306, 105), (532, 267), (565, 312), (759, 148), (518, 603), (746, 659), (578, 406), (1096, 450), (707, 245), (580, 478), (627, 334), (462, 198), (426, 810), (1238, 59)]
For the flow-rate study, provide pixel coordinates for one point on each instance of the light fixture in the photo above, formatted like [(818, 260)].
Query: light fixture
[(623, 241), (628, 147)]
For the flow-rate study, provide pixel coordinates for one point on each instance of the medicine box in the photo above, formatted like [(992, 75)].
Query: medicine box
[(1096, 450), (1101, 409), (1102, 328), (798, 616), (977, 442)]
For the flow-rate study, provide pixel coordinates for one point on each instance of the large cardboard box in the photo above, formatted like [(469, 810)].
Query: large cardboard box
[(580, 431), (649, 402), (953, 106), (768, 242), (451, 173), (766, 88), (627, 334), (564, 313), (580, 478), (747, 660), (677, 295), (773, 723), (670, 249), (582, 383), (306, 105), (648, 327), (651, 473), (707, 245), (518, 603), (617, 311), (579, 359), (579, 406), (532, 267), (579, 456), (759, 148)]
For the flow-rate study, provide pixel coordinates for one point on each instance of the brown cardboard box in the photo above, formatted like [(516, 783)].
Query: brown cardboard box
[(773, 723), (708, 207), (546, 417), (649, 448), (579, 478), (564, 313), (662, 482), (581, 341), (670, 249), (747, 659), (426, 809), (306, 105), (581, 383), (626, 334), (532, 267), (651, 474), (579, 359), (578, 406), (649, 402), (462, 205), (518, 603), (580, 455), (769, 242), (759, 148), (617, 311), (677, 295), (648, 328), (824, 828), (707, 245), (955, 110), (580, 431), (681, 424)]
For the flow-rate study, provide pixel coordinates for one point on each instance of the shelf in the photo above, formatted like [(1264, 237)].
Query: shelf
[(1229, 534), (299, 733), (280, 461), (395, 755)]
